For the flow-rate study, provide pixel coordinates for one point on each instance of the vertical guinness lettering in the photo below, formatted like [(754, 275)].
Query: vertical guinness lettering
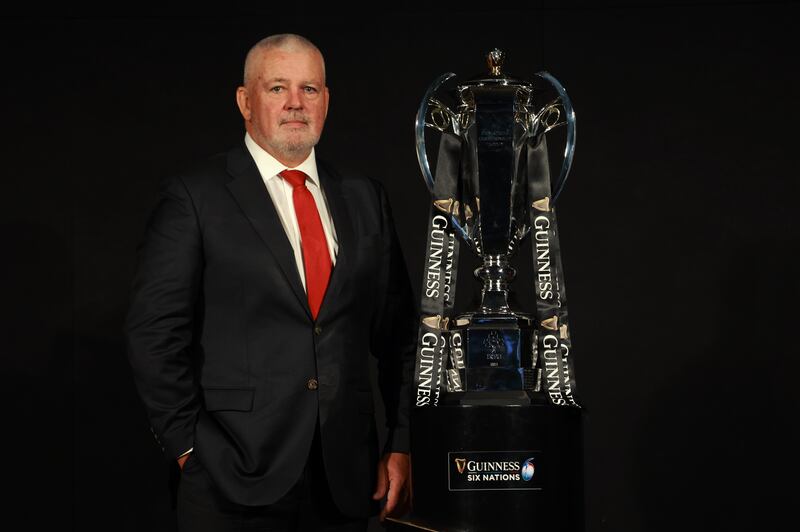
[(567, 380), (551, 368), (428, 369), (426, 364), (556, 371), (542, 243), (439, 370), (457, 351), (434, 268), (432, 344)]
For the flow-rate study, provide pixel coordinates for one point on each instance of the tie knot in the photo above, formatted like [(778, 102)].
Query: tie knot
[(295, 178)]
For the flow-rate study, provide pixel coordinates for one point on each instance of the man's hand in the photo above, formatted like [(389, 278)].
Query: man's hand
[(182, 460), (394, 478)]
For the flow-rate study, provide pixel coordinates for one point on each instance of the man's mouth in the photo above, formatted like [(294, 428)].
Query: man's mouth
[(294, 122)]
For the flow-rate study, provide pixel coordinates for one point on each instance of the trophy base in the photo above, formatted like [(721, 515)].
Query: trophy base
[(490, 468), (497, 398)]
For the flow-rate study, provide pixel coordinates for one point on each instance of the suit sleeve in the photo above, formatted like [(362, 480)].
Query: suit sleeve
[(394, 334), (160, 319)]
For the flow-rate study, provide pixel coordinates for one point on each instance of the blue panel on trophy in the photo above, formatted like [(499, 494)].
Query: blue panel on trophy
[(494, 118)]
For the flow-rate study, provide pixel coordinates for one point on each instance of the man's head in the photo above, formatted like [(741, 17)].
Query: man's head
[(284, 99)]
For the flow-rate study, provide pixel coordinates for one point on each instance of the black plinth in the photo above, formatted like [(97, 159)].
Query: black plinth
[(497, 468)]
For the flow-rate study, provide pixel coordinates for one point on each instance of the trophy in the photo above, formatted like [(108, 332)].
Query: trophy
[(495, 387)]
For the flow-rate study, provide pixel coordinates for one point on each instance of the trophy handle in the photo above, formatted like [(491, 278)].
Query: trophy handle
[(422, 155), (419, 127), (569, 149)]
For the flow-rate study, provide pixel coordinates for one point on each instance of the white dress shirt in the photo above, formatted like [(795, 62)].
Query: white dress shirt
[(281, 193)]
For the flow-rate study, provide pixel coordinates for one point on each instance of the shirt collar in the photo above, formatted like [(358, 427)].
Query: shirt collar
[(270, 167)]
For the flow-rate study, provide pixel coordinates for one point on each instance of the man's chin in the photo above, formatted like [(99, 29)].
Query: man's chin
[(294, 148), (299, 146)]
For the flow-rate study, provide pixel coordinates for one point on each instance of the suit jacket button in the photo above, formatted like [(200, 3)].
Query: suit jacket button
[(317, 329), (312, 384)]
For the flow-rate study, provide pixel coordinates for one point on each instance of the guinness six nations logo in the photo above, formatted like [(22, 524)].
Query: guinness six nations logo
[(494, 470)]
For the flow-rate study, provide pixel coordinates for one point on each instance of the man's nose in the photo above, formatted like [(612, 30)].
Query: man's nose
[(295, 100)]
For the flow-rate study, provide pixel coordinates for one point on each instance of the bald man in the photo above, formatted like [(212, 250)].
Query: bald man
[(265, 281)]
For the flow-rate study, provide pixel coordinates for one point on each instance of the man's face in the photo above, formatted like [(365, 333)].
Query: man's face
[(285, 102)]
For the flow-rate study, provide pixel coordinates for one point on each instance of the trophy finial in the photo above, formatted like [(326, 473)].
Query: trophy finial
[(495, 61)]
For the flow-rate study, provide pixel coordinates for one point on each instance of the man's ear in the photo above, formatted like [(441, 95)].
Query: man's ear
[(243, 101), (327, 96)]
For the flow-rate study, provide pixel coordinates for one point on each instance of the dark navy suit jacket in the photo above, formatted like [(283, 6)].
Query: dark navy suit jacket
[(224, 348)]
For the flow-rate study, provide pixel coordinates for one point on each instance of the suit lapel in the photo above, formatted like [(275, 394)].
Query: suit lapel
[(251, 194), (342, 223)]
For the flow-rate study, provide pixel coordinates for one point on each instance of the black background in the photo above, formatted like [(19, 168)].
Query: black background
[(678, 233)]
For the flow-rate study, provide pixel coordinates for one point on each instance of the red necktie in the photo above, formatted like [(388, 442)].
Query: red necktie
[(316, 258)]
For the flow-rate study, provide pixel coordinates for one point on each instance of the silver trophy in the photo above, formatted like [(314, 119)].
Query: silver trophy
[(491, 187)]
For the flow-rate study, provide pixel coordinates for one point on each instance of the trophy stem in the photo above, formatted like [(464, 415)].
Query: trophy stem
[(496, 275)]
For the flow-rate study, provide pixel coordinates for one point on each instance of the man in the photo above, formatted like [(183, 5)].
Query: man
[(265, 280)]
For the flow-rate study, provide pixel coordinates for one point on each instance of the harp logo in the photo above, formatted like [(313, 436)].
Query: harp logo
[(461, 464)]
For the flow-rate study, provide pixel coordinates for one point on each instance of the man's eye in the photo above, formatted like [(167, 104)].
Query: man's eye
[(310, 90), (276, 89)]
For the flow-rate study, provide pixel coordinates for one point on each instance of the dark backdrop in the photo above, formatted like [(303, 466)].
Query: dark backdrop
[(678, 233)]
